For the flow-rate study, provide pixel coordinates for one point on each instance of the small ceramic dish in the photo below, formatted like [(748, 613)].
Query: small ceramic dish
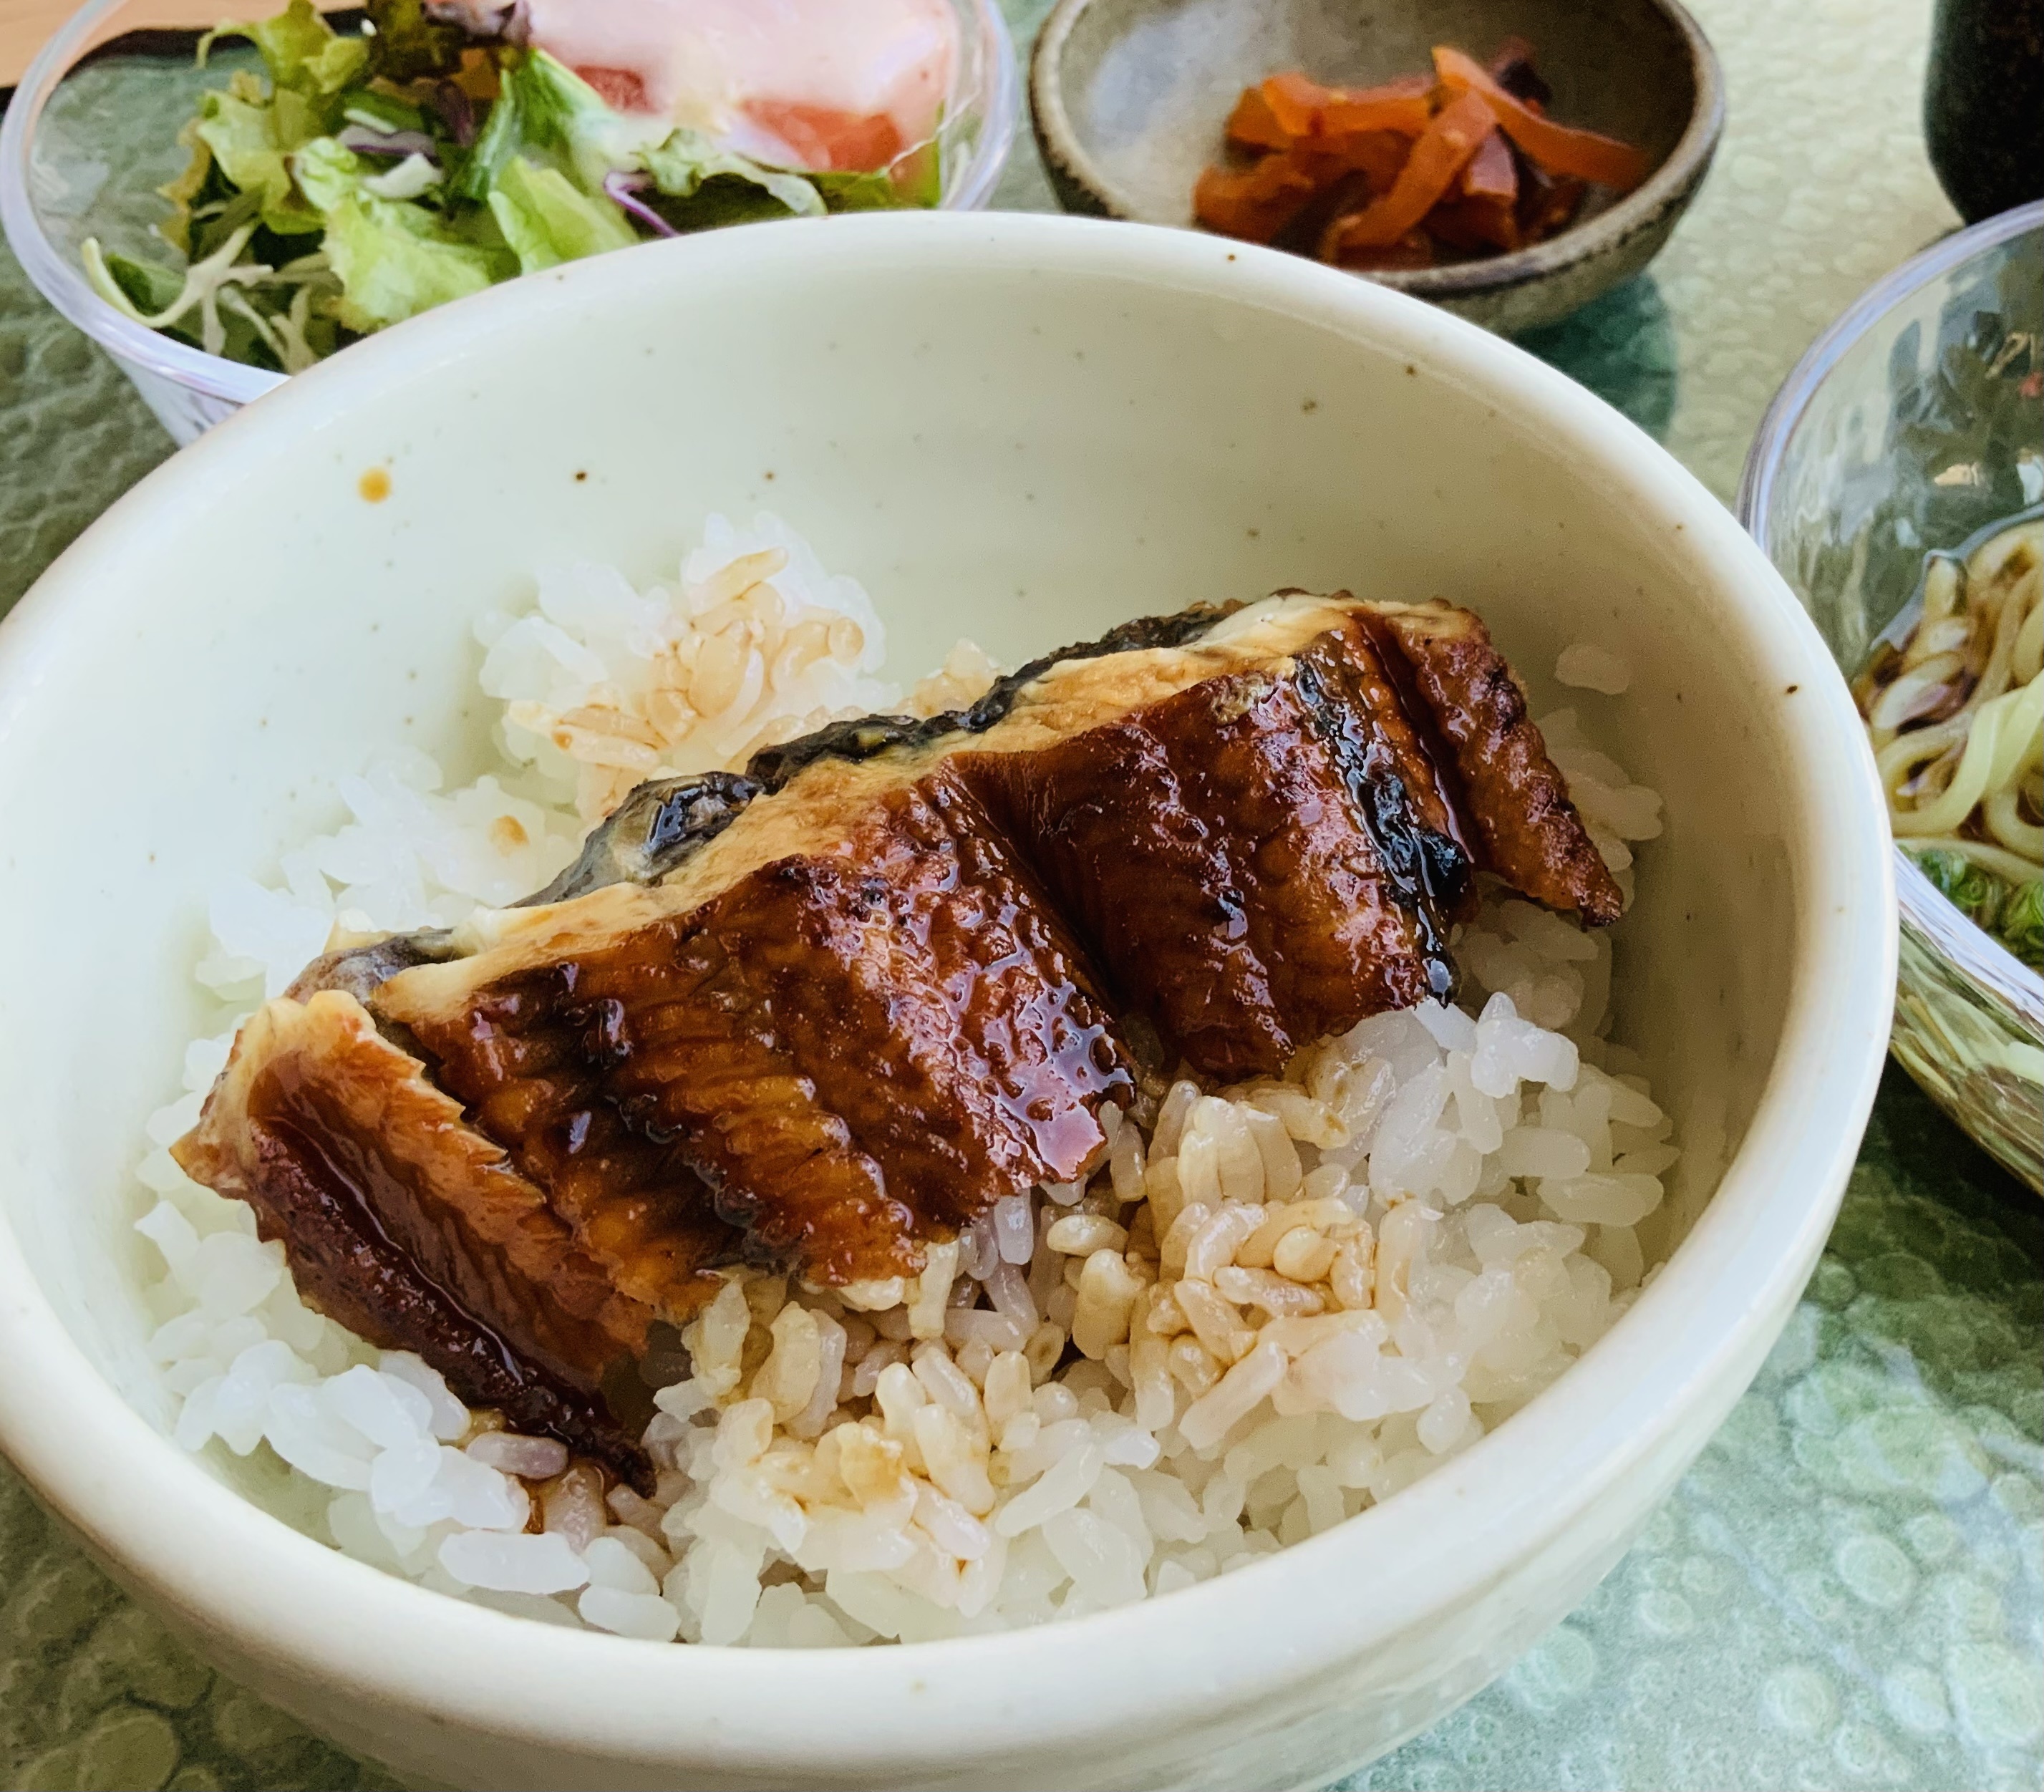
[(1129, 97)]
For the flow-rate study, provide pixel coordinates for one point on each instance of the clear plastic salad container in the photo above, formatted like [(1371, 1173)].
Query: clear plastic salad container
[(1913, 423), (92, 131)]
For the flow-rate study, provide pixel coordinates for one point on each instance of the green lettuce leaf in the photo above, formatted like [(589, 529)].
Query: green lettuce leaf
[(184, 192), (846, 192), (303, 53), (701, 186), (718, 187), (471, 175), (547, 219), (223, 304), (393, 257), (381, 111), (914, 177), (250, 136), (409, 45), (551, 116), (558, 111), (142, 289)]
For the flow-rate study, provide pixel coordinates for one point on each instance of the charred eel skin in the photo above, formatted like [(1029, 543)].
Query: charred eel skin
[(663, 823)]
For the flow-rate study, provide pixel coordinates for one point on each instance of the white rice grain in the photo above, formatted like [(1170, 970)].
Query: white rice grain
[(1589, 666), (1267, 1309)]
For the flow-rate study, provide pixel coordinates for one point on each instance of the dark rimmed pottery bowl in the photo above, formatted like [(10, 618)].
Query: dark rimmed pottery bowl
[(1128, 98)]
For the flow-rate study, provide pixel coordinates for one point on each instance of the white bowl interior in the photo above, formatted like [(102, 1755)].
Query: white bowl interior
[(1021, 433)]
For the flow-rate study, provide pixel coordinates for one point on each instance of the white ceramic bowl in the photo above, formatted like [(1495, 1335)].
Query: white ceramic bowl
[(1027, 427)]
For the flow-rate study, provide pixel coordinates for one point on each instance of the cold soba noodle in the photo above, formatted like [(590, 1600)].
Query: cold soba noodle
[(1956, 714)]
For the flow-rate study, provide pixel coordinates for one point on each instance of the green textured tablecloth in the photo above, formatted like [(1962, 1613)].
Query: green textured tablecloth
[(1848, 1589)]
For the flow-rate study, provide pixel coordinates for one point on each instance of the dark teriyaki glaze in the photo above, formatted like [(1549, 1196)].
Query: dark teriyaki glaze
[(840, 1052), (1487, 769), (832, 1062), (1208, 851), (369, 1282), (404, 1227), (663, 823)]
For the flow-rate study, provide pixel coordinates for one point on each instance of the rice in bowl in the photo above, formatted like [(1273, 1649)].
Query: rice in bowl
[(1274, 1305)]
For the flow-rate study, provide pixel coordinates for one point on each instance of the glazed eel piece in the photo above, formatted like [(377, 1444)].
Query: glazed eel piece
[(827, 1012)]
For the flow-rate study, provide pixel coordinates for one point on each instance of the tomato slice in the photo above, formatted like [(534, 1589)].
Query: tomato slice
[(825, 139)]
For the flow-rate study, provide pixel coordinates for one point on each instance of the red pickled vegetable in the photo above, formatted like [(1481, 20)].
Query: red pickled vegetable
[(1482, 214), (1475, 226), (1253, 125), (1253, 203), (1408, 173), (1491, 174), (1289, 109), (1296, 103), (1586, 155), (1414, 249), (1402, 106), (1439, 156), (1546, 203), (1377, 156)]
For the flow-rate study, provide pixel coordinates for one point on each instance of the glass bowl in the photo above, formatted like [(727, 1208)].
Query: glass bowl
[(1914, 421), (91, 132)]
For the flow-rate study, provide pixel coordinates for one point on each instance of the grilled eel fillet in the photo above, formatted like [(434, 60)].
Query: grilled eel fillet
[(825, 1013)]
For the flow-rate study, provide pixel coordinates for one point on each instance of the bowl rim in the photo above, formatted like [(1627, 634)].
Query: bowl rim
[(271, 1594), (1981, 958), (53, 275), (1664, 190)]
